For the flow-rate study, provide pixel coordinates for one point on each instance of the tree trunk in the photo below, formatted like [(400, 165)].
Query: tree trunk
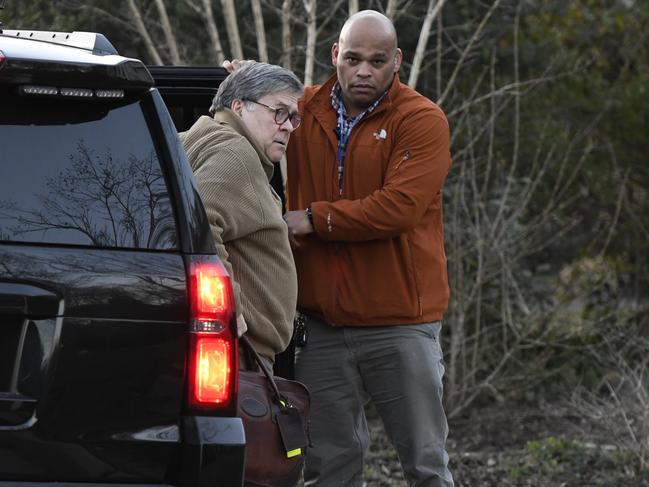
[(168, 32), (434, 7), (230, 14), (310, 7), (144, 33), (286, 34), (213, 32), (353, 7), (262, 48), (391, 9)]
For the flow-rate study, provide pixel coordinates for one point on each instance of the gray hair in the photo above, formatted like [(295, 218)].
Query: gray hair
[(254, 81)]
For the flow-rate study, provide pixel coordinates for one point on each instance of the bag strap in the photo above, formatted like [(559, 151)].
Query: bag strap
[(282, 401)]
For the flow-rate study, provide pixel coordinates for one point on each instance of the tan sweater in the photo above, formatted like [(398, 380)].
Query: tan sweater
[(245, 216)]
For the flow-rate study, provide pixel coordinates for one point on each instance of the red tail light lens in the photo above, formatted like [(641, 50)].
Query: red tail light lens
[(212, 297), (211, 293), (213, 356), (212, 374)]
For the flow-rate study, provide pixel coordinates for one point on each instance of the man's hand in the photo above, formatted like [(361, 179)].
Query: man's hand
[(298, 224), (233, 65)]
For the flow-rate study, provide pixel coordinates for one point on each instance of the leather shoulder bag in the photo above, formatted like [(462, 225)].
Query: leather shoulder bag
[(275, 415)]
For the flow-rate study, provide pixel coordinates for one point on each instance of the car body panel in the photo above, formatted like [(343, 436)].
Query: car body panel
[(108, 365)]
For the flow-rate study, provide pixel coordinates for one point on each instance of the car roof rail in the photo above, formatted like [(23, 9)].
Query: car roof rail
[(90, 41)]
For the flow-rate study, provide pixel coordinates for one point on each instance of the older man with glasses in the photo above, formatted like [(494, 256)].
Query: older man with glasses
[(233, 154)]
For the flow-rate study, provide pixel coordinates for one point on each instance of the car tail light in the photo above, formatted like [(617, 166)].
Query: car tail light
[(211, 293), (211, 370), (213, 354), (2, 58)]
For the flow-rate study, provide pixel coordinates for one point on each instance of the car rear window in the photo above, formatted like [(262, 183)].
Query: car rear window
[(81, 173)]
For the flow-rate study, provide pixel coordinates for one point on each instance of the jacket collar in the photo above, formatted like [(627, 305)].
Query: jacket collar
[(228, 117), (319, 104)]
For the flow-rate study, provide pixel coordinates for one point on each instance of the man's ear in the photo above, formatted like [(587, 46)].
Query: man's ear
[(398, 57), (237, 106), (334, 53)]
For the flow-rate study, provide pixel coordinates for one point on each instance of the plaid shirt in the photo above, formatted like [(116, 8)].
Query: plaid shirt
[(345, 126)]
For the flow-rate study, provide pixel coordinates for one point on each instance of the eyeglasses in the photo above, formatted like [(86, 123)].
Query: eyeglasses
[(282, 115)]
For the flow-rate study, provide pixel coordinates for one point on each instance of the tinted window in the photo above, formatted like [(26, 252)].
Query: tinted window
[(81, 173)]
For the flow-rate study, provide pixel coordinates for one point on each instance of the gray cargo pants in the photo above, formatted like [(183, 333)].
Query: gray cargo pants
[(400, 369)]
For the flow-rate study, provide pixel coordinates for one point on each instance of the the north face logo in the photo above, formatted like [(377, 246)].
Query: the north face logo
[(380, 135)]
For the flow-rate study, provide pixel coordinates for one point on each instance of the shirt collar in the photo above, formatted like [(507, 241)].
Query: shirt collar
[(339, 106)]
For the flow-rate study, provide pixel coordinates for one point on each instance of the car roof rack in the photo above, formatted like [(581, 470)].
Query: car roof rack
[(90, 41)]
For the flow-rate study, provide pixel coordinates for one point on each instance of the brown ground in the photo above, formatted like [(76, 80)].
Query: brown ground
[(510, 446)]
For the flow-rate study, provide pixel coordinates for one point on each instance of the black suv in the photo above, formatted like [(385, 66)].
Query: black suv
[(118, 351)]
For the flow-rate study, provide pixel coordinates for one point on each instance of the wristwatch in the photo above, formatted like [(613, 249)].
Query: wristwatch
[(309, 215)]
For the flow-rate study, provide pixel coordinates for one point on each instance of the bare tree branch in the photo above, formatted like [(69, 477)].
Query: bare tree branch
[(123, 23), (262, 48), (467, 50), (287, 48), (144, 33), (232, 27), (434, 7), (168, 32), (217, 48), (391, 9), (618, 206), (310, 7), (332, 13)]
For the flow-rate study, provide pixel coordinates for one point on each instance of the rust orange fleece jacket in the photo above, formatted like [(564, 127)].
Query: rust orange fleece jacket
[(377, 255)]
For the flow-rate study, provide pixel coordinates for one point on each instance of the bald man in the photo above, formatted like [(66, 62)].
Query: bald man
[(364, 188)]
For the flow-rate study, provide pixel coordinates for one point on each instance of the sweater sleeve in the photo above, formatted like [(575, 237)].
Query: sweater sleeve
[(233, 207), (416, 171)]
